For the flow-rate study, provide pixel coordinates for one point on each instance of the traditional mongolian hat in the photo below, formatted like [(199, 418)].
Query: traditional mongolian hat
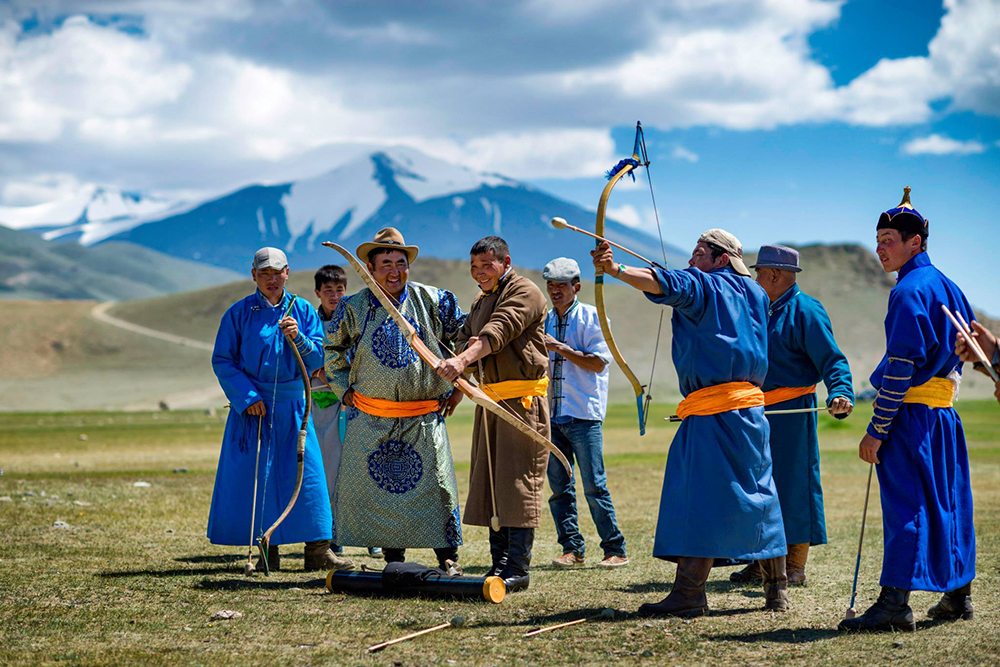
[(904, 218), (391, 239)]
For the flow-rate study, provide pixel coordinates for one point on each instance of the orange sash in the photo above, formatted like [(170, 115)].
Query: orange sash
[(935, 393), (720, 398), (522, 389), (382, 407), (782, 394)]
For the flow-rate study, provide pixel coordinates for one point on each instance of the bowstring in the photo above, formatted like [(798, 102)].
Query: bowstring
[(641, 142), (279, 340)]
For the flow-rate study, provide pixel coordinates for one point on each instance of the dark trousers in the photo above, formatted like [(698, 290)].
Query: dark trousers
[(399, 555)]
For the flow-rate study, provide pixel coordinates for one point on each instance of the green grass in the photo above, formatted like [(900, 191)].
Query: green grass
[(134, 580)]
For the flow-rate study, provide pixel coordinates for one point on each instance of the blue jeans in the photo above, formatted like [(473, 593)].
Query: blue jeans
[(583, 440)]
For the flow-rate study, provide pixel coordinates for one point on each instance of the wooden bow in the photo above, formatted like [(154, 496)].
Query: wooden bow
[(624, 167), (300, 449), (473, 392)]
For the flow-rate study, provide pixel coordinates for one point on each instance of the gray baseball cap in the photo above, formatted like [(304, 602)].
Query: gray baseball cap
[(777, 257), (269, 258), (561, 270), (732, 246)]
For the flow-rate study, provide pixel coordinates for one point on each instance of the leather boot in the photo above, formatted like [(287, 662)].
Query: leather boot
[(273, 560), (319, 556), (795, 563), (687, 597), (772, 570), (515, 572), (499, 541), (748, 575), (954, 605), (890, 612)]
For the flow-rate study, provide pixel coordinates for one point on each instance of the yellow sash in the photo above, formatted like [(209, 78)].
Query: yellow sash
[(935, 393), (382, 407), (522, 389), (720, 398), (782, 394)]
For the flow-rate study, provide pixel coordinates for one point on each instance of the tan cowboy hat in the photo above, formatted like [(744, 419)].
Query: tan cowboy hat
[(388, 238)]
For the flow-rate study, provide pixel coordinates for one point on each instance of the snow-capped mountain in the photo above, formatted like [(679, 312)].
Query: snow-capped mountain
[(440, 206), (92, 215)]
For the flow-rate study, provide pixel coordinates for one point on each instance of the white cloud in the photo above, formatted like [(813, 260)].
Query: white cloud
[(627, 215), (40, 189), (936, 144), (681, 153)]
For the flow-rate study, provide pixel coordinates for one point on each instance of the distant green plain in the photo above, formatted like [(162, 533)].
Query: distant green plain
[(133, 579)]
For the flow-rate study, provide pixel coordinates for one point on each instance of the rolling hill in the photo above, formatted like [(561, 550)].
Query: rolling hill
[(57, 357)]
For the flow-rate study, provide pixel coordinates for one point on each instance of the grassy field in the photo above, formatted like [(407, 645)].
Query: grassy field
[(132, 579)]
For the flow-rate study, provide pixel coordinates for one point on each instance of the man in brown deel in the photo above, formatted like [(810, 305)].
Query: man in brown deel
[(504, 345)]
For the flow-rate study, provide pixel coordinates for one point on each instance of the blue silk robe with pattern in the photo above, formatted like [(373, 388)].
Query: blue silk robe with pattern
[(801, 351), (253, 362), (930, 541), (396, 487), (719, 499)]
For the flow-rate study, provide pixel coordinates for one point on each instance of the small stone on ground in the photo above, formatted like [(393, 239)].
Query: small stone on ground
[(60, 524), (142, 485), (226, 614)]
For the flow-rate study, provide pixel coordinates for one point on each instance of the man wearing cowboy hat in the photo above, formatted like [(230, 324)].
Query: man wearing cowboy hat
[(719, 504), (801, 350), (396, 487)]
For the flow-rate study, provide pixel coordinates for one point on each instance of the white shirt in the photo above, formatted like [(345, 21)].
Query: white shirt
[(574, 391)]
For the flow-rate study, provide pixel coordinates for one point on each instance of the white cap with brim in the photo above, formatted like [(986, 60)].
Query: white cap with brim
[(269, 258), (731, 245)]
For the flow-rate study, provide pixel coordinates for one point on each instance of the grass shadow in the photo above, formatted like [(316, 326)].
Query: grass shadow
[(225, 558), (779, 636), (247, 583), (173, 572)]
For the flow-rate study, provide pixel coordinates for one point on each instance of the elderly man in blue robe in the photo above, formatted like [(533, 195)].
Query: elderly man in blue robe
[(258, 465), (719, 505), (915, 437), (801, 351)]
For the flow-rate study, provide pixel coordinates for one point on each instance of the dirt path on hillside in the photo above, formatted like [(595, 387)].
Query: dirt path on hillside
[(185, 399), (100, 313)]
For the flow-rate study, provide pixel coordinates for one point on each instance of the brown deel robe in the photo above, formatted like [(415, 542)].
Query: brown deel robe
[(512, 320)]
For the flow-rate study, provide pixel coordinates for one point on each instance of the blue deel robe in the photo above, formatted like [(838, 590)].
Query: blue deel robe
[(801, 351), (719, 499), (930, 541), (253, 362)]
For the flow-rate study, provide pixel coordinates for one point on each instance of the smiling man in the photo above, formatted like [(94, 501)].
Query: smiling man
[(396, 486), (719, 504), (915, 436), (263, 382), (504, 342), (578, 401)]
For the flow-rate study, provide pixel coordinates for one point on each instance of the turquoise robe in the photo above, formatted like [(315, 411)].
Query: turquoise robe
[(253, 362), (930, 539), (719, 499), (801, 351)]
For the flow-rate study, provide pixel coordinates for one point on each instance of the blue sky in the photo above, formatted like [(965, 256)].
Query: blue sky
[(782, 120)]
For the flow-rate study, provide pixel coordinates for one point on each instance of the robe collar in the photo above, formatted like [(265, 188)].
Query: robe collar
[(783, 300), (267, 304), (915, 262)]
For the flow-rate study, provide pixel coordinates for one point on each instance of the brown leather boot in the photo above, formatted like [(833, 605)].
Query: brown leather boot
[(273, 560), (775, 584), (748, 575), (319, 556), (795, 564), (687, 597)]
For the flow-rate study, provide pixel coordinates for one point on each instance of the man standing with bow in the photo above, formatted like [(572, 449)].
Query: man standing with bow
[(801, 350), (396, 487), (261, 378), (719, 503), (916, 438), (504, 341)]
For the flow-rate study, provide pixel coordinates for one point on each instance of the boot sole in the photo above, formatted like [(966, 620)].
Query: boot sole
[(964, 616), (681, 613)]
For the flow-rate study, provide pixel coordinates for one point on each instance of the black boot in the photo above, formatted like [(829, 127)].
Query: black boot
[(394, 555), (515, 572), (499, 541), (954, 605), (687, 596), (890, 612)]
